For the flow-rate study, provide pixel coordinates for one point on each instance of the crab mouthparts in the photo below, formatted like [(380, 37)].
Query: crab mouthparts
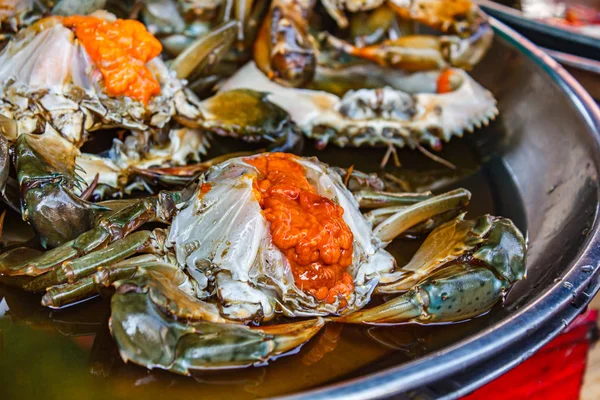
[(308, 228)]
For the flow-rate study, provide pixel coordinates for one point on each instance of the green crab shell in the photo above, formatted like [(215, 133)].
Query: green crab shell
[(223, 240), (404, 111)]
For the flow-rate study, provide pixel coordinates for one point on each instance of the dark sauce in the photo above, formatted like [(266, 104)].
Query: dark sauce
[(70, 354)]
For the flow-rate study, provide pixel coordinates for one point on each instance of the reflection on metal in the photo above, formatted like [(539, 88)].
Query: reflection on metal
[(575, 61)]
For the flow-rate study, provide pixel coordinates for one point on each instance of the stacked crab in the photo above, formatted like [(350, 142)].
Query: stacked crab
[(243, 238)]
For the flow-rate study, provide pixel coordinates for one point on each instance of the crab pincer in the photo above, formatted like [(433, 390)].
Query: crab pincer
[(158, 340), (463, 268)]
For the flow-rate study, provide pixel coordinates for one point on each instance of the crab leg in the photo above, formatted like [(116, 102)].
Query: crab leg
[(445, 244), (157, 340), (181, 176), (421, 52), (284, 49), (409, 53), (7, 128), (249, 115), (70, 293), (205, 51), (381, 200), (252, 24), (460, 271), (379, 215), (108, 229), (137, 242), (420, 212), (456, 293), (89, 286)]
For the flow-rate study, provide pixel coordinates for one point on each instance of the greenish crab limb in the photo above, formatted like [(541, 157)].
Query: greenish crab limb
[(445, 244), (460, 271), (420, 212), (183, 175), (487, 240), (455, 293), (45, 166), (8, 128), (89, 286), (206, 51), (248, 115), (137, 242), (53, 267), (147, 334), (375, 199)]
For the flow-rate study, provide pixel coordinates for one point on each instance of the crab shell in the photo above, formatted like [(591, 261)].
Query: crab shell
[(404, 111), (223, 240), (48, 81)]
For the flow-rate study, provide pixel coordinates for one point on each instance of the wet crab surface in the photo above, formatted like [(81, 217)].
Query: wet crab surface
[(76, 357)]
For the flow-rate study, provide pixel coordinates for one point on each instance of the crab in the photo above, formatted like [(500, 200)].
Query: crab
[(287, 52), (268, 236), (368, 105), (56, 91)]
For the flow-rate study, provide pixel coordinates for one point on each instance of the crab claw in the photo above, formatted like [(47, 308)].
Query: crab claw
[(460, 17), (460, 271), (206, 51), (250, 116), (284, 50), (148, 332), (467, 37), (45, 169), (422, 52)]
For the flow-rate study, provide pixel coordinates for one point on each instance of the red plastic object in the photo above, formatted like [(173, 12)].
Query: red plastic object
[(553, 373)]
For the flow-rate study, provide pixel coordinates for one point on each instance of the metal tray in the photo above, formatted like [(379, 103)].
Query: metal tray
[(549, 147)]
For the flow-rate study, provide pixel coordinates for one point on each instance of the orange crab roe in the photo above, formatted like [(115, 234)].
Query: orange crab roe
[(444, 82), (120, 50), (308, 228)]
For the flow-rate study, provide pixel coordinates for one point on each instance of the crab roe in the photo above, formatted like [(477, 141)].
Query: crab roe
[(120, 50), (308, 228)]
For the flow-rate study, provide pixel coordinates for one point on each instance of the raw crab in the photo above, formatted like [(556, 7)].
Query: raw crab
[(286, 51), (390, 108), (54, 92), (267, 235)]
